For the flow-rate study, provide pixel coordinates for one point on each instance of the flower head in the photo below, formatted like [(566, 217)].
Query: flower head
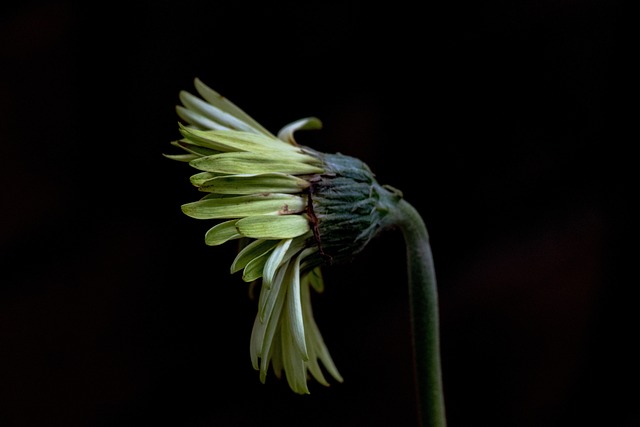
[(292, 208)]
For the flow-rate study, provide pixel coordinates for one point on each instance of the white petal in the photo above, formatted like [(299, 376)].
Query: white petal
[(274, 262), (198, 120), (296, 246), (286, 133), (214, 98), (312, 364), (257, 335), (294, 306), (268, 296), (213, 113), (314, 338), (253, 250), (294, 366), (276, 356), (278, 293)]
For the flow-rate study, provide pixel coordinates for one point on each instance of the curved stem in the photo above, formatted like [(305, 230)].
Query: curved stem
[(423, 297)]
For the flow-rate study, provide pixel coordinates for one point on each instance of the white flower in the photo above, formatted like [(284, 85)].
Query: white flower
[(258, 189)]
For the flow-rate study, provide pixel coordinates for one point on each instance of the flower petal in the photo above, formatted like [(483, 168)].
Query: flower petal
[(312, 364), (222, 233), (268, 295), (322, 351), (254, 268), (253, 250), (274, 261), (273, 226), (279, 290), (318, 349), (231, 140), (202, 177), (194, 148), (213, 113), (209, 196), (181, 157), (286, 133), (255, 344), (294, 365), (297, 245), (246, 162), (198, 120), (244, 206), (214, 98), (294, 306), (273, 182), (315, 279), (276, 356)]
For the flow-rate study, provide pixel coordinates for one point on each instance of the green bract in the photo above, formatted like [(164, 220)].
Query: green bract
[(296, 208)]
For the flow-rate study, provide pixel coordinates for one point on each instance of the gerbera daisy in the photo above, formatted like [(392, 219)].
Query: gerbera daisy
[(293, 208)]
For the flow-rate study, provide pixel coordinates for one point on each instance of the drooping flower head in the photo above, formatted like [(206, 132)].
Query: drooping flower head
[(293, 209)]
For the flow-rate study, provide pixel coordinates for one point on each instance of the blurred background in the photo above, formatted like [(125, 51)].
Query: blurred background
[(502, 123)]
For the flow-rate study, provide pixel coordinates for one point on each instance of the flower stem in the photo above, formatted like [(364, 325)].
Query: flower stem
[(423, 298)]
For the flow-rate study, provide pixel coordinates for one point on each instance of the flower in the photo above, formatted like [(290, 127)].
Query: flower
[(293, 209)]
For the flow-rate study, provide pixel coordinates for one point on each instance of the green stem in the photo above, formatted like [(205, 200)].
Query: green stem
[(423, 296)]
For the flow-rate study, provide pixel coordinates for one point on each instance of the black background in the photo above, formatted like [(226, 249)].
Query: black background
[(502, 123)]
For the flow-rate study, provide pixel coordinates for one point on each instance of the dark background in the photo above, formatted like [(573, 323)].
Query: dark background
[(502, 122)]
